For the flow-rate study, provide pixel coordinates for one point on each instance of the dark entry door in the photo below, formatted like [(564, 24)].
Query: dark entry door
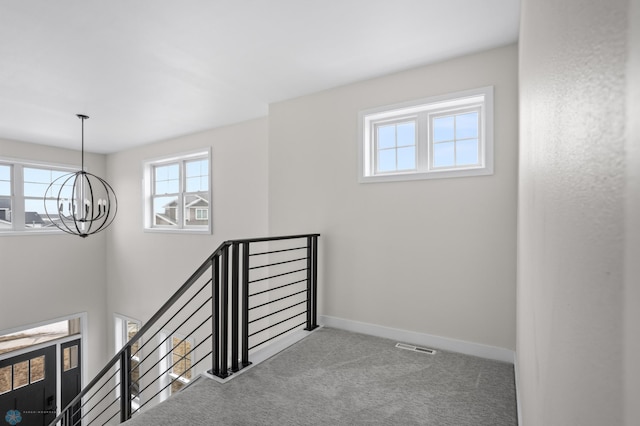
[(70, 378), (28, 388)]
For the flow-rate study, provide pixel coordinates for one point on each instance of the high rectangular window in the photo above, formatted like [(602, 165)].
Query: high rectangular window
[(438, 137), (23, 206), (178, 193)]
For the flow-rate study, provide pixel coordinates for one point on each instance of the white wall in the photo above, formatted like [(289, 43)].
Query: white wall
[(434, 256), (43, 277), (632, 231), (145, 269), (571, 224)]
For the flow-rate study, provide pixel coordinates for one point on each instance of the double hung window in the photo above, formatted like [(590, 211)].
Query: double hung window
[(444, 136), (178, 193), (23, 186)]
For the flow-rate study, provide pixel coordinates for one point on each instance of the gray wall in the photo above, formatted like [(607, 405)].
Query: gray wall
[(434, 256), (44, 277), (571, 212), (144, 269)]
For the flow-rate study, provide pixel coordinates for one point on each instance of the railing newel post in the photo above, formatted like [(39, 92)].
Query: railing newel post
[(215, 300), (224, 318), (314, 285), (235, 314), (245, 304), (125, 384)]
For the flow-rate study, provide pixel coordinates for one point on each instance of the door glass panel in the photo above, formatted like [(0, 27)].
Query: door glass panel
[(20, 374), (5, 379), (70, 357), (37, 369)]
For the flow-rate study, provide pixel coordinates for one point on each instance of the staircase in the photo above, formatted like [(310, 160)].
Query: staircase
[(245, 295)]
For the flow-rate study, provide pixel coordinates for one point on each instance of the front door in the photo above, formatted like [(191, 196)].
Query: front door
[(28, 388), (70, 378)]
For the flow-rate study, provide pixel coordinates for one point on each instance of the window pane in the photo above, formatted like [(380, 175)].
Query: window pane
[(37, 175), (467, 125), (5, 180), (197, 175), (467, 152), (443, 129), (193, 204), (443, 154), (406, 134), (20, 374), (387, 160), (386, 136), (167, 179), (406, 158), (70, 358), (5, 213), (37, 369), (181, 358), (165, 211), (5, 379), (5, 172), (132, 329)]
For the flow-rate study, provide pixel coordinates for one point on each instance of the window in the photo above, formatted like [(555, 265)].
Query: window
[(22, 191), (443, 136), (178, 193), (181, 355)]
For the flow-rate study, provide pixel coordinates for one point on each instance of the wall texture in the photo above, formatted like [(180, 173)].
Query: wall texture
[(145, 269), (632, 231), (570, 213), (434, 256), (44, 277)]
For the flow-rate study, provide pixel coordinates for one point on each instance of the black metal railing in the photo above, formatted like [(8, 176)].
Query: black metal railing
[(257, 290)]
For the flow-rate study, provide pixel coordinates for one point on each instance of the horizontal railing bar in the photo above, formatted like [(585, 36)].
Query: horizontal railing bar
[(110, 418), (173, 316), (170, 383), (176, 328), (276, 251), (278, 323), (264, 239), (100, 388), (171, 367), (160, 360), (277, 312), (279, 275), (279, 287), (277, 300), (277, 335), (277, 263), (108, 406)]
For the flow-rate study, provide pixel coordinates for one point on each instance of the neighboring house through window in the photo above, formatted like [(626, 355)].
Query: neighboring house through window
[(438, 137), (178, 193)]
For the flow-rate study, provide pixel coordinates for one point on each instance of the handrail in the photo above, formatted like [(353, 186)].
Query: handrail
[(220, 252)]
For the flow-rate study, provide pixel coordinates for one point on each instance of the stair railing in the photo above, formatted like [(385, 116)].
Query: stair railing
[(247, 293)]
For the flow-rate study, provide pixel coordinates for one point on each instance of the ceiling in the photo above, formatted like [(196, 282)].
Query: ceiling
[(149, 70)]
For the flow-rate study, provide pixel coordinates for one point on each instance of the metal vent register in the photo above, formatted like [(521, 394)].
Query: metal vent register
[(415, 348)]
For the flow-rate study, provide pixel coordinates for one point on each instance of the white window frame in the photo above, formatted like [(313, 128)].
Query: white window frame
[(422, 112), (148, 191), (18, 198), (170, 373)]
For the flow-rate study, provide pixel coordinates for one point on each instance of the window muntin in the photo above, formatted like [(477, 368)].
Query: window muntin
[(442, 136), (22, 190), (179, 193), (395, 146)]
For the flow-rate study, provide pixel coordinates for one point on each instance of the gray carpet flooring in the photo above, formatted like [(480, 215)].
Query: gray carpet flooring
[(334, 377)]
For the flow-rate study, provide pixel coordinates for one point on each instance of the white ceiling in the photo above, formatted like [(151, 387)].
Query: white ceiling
[(148, 70)]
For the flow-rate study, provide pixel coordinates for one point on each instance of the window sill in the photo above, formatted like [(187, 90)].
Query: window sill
[(205, 231), (444, 174)]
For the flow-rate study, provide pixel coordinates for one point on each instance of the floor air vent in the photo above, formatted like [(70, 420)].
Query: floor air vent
[(415, 348)]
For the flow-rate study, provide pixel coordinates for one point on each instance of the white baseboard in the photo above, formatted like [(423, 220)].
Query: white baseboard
[(517, 379), (421, 339)]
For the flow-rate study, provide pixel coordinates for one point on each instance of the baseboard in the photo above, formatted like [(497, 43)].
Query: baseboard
[(421, 339), (517, 379)]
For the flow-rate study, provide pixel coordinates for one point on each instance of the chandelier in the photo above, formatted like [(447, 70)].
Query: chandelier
[(85, 203)]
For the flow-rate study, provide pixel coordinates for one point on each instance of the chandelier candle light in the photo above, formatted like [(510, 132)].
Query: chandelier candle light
[(85, 204)]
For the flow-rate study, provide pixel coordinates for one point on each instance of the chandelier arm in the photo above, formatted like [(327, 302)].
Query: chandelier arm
[(110, 190)]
